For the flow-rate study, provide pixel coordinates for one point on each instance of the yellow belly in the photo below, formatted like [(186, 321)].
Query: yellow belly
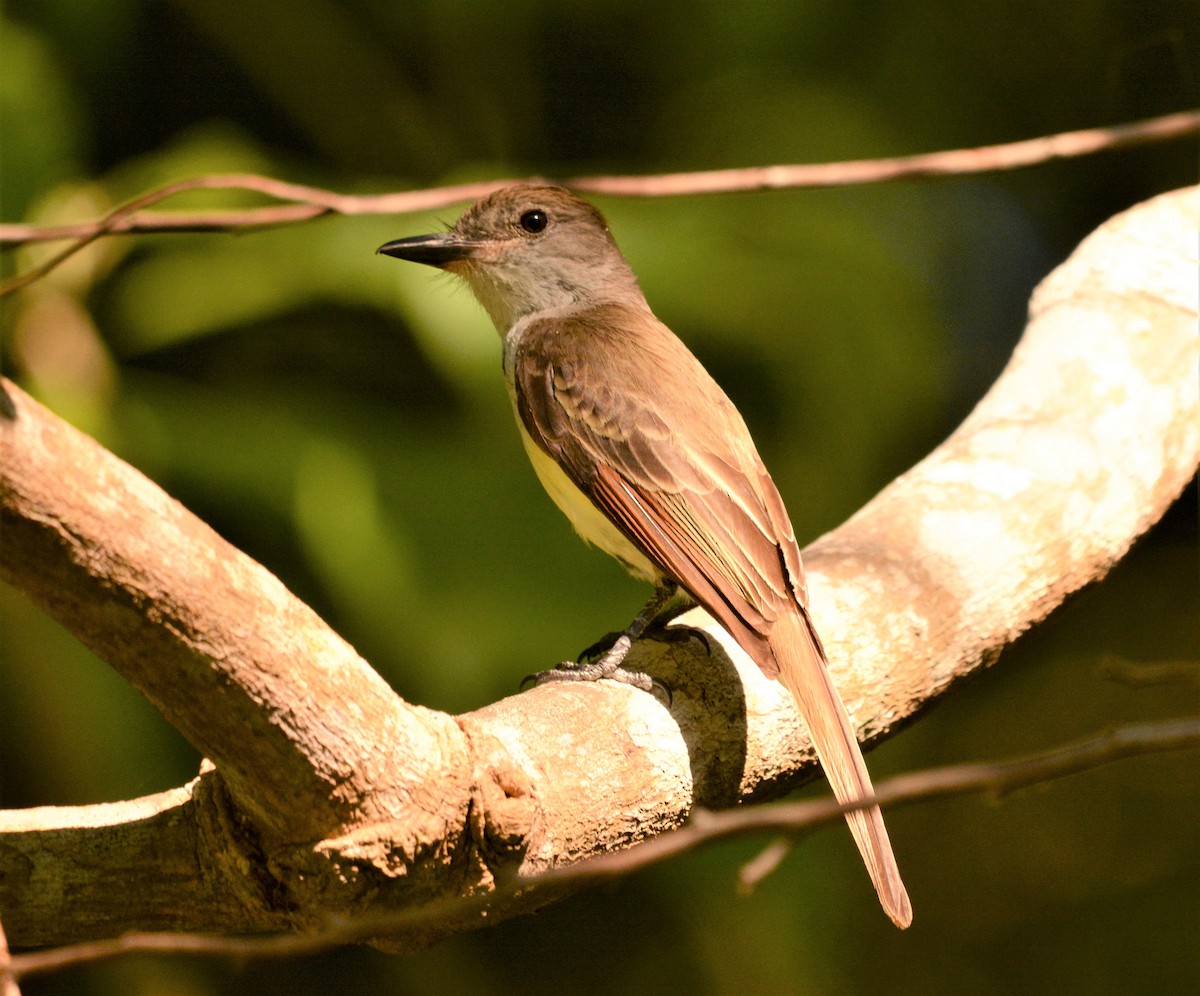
[(592, 524)]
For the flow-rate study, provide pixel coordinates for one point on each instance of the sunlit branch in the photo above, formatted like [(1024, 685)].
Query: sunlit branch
[(995, 778)]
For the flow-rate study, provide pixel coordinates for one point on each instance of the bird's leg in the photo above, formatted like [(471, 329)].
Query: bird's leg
[(659, 627), (608, 664)]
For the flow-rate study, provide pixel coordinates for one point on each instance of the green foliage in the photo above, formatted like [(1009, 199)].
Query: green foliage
[(341, 417)]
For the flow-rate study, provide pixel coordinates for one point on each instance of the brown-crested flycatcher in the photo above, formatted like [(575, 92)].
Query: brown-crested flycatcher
[(650, 460)]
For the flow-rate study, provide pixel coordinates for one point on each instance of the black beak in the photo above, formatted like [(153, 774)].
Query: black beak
[(433, 250)]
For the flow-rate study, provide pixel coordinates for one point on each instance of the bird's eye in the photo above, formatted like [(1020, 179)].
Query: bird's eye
[(534, 221)]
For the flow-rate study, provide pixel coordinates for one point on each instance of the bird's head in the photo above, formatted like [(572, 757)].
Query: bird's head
[(528, 248)]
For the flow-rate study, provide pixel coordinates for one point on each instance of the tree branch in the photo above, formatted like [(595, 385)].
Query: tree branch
[(705, 827), (983, 159), (237, 664), (306, 203), (331, 797)]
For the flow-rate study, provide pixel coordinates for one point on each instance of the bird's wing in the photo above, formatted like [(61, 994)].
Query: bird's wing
[(682, 480)]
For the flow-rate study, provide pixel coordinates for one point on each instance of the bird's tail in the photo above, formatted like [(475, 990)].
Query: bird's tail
[(804, 672)]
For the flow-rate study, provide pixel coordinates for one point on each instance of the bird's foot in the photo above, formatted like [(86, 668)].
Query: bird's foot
[(608, 665), (653, 622), (660, 632), (600, 647)]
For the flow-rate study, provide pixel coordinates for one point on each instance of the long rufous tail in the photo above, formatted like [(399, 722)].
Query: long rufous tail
[(804, 672)]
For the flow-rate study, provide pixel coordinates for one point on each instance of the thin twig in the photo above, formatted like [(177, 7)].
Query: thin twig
[(307, 202), (1141, 674), (984, 159), (994, 778), (705, 827)]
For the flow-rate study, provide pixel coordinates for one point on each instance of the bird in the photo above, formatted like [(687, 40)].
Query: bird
[(651, 461)]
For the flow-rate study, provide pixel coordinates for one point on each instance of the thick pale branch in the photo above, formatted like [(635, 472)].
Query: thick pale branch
[(1089, 435), (993, 778), (308, 738), (145, 852)]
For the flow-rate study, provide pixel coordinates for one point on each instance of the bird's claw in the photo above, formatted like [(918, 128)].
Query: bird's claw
[(594, 671), (679, 634)]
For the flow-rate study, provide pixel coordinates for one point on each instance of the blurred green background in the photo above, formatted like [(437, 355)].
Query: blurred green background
[(342, 418)]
